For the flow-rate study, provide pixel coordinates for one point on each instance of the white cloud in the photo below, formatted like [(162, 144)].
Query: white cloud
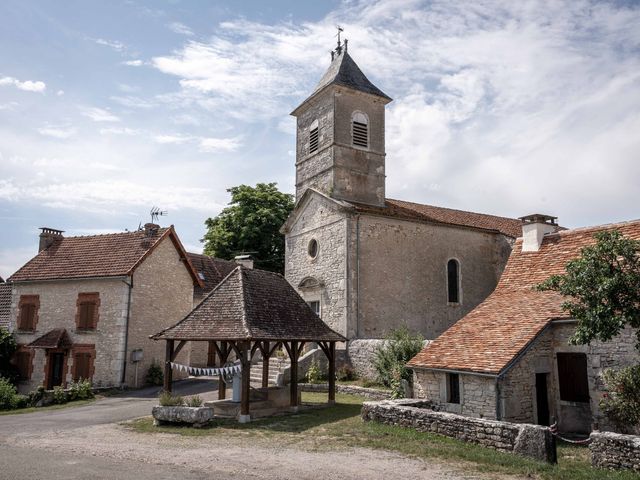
[(172, 139), (220, 144), (119, 131), (133, 102), (99, 114), (180, 28), (60, 132), (60, 93), (27, 85), (114, 44), (133, 63)]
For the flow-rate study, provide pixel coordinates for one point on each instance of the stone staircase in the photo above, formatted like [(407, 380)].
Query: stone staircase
[(276, 366)]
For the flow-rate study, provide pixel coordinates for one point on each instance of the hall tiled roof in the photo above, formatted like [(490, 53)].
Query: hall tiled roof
[(511, 227), (490, 337), (251, 305), (109, 255), (56, 338), (211, 271), (5, 305)]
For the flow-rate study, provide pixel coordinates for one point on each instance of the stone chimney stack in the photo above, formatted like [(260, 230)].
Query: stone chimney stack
[(48, 236), (150, 229), (534, 228), (245, 260)]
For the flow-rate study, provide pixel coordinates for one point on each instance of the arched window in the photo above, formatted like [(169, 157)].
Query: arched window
[(313, 137), (453, 281), (360, 130)]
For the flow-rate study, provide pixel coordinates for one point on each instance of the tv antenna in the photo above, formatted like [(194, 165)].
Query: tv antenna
[(156, 212)]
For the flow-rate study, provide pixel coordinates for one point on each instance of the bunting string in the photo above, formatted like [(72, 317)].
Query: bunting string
[(210, 372)]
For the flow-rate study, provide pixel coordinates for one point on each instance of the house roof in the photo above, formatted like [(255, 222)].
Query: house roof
[(210, 270), (251, 305), (56, 338), (110, 255), (492, 335), (5, 305)]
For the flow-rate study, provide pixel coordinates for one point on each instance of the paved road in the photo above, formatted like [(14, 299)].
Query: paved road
[(114, 409)]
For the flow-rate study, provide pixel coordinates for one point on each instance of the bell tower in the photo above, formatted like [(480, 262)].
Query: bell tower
[(340, 147)]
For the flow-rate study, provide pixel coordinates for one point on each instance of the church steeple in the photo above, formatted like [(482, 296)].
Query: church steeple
[(340, 134)]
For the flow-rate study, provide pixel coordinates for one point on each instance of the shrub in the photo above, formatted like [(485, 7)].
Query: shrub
[(155, 375), (391, 358), (80, 390), (7, 394), (314, 373), (621, 403), (59, 395), (169, 400), (36, 395), (194, 401), (20, 401), (345, 373), (8, 347)]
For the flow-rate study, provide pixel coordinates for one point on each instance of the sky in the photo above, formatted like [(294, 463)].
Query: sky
[(110, 108)]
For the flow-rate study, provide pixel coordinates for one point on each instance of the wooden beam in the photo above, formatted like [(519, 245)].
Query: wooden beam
[(177, 349), (223, 353), (274, 348), (245, 360), (264, 349), (293, 386), (300, 347), (168, 373), (332, 372), (325, 348)]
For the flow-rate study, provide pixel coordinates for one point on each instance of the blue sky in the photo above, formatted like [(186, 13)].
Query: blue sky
[(110, 108)]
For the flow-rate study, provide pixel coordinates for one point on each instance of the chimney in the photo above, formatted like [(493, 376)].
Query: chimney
[(48, 236), (534, 228), (245, 260), (150, 229)]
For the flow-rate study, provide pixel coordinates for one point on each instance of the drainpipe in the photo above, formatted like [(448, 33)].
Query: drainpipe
[(358, 276), (498, 409), (126, 331)]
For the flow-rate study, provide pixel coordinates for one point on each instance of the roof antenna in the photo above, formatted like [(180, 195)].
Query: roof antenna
[(156, 212)]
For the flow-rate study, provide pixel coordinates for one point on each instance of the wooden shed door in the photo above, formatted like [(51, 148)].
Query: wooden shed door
[(542, 398)]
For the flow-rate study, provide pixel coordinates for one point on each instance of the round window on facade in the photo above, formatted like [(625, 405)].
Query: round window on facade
[(313, 248)]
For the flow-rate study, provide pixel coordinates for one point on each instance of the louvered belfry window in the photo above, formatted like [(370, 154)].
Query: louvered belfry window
[(360, 130), (313, 137)]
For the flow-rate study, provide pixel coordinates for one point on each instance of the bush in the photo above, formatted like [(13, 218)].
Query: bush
[(59, 395), (80, 390), (345, 374), (621, 403), (155, 375), (36, 395), (169, 400), (194, 401), (314, 373), (391, 358), (7, 394), (21, 401), (8, 347)]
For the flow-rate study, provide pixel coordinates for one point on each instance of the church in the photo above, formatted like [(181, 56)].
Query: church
[(368, 264)]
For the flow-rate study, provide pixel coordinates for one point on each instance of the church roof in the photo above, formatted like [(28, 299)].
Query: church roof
[(344, 71), (491, 336), (251, 305)]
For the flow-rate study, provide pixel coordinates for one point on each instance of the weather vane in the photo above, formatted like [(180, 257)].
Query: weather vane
[(338, 49)]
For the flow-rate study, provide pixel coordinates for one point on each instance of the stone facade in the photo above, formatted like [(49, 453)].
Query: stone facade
[(526, 440), (161, 294), (614, 450)]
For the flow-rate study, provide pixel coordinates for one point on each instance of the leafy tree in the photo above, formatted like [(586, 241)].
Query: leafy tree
[(602, 288), (622, 401), (8, 346), (251, 223), (391, 358)]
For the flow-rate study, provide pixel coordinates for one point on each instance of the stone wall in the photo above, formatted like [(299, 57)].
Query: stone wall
[(527, 440), (370, 393), (360, 355), (614, 450)]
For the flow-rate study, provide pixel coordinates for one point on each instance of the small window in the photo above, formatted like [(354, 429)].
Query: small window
[(313, 137), (453, 281), (87, 313), (201, 275), (572, 377), (453, 388), (312, 249), (24, 363), (360, 130), (28, 312), (315, 306)]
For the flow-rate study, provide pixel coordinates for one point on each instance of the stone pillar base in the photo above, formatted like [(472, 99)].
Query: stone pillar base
[(244, 418), (294, 409), (331, 402)]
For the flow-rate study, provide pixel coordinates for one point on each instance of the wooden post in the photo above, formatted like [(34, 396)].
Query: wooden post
[(332, 373), (265, 364), (222, 387), (293, 386), (168, 373), (245, 361)]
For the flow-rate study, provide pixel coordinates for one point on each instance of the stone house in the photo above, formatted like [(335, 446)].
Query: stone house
[(366, 263), (84, 307), (509, 359)]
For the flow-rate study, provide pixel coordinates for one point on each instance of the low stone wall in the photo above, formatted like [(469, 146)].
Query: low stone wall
[(370, 393), (615, 450), (527, 440)]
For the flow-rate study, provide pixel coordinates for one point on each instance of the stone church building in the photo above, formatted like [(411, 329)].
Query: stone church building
[(366, 263)]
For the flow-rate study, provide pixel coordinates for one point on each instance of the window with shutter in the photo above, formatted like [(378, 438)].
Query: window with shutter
[(83, 359), (23, 361), (360, 130), (572, 377), (28, 312), (87, 313)]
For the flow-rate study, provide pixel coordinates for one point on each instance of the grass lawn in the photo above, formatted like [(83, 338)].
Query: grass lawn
[(340, 426), (75, 403)]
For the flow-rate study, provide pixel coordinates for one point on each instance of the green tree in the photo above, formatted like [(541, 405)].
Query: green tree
[(8, 346), (391, 358), (251, 223), (602, 288)]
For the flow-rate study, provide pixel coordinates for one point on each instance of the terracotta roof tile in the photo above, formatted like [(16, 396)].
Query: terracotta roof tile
[(416, 211), (489, 337), (251, 304), (5, 305), (56, 338), (211, 271)]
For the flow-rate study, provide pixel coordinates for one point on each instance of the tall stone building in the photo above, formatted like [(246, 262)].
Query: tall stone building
[(366, 263)]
